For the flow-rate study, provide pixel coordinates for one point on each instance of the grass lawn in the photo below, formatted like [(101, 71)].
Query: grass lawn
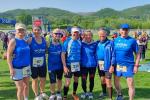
[(142, 84)]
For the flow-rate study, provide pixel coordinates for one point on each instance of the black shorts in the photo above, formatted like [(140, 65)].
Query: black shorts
[(90, 70), (54, 74), (69, 75), (38, 72), (105, 74)]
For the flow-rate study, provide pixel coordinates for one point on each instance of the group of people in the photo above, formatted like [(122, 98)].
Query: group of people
[(73, 58), (142, 40)]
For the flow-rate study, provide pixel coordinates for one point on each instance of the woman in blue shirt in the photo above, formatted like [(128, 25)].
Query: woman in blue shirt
[(38, 62), (88, 63), (18, 59), (55, 67)]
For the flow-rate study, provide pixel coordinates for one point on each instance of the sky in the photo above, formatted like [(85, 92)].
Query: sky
[(71, 5)]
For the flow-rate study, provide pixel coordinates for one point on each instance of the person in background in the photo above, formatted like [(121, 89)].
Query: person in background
[(88, 63), (18, 59), (106, 62), (114, 35), (38, 63), (125, 46), (64, 37), (55, 68)]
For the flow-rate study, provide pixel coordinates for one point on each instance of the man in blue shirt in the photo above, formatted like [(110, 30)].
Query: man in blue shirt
[(124, 47), (71, 55)]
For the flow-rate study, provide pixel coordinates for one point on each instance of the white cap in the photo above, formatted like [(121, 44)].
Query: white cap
[(20, 26), (57, 30), (75, 29)]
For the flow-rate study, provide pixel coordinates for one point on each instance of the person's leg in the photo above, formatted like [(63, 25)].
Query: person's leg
[(66, 87), (59, 84), (34, 76), (52, 77), (75, 84), (19, 86), (67, 84), (91, 78), (59, 81), (109, 84), (117, 85), (35, 86), (42, 84), (131, 92), (84, 73), (26, 87), (103, 83), (42, 75)]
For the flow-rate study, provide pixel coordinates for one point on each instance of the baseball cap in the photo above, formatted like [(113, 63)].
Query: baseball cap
[(20, 26), (75, 29), (57, 30), (125, 26)]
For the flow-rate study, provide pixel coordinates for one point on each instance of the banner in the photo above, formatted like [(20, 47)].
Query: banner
[(7, 21)]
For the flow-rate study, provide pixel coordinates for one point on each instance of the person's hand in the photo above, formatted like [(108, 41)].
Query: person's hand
[(135, 70), (12, 72), (111, 69), (66, 70)]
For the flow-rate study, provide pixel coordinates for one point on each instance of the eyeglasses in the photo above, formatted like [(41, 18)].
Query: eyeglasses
[(21, 29)]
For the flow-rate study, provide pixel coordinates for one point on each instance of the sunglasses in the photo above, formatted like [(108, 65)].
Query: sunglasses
[(57, 33)]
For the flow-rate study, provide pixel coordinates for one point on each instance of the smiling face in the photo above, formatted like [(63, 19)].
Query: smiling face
[(88, 36), (57, 36), (124, 32), (102, 35), (75, 35), (36, 31), (20, 32)]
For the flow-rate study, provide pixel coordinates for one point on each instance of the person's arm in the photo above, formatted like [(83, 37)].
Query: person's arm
[(113, 58), (137, 57), (29, 40), (63, 57), (11, 47)]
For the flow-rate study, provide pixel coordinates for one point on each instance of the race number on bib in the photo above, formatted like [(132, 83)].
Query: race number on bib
[(122, 68), (26, 71), (101, 65), (38, 61), (75, 67)]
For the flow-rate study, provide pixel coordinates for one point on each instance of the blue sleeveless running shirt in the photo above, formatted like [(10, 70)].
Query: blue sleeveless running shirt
[(21, 54), (38, 52), (54, 57)]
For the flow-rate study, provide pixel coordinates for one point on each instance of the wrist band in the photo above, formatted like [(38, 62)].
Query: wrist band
[(136, 65)]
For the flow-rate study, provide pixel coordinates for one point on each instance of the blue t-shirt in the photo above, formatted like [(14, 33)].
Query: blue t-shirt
[(38, 51), (100, 50), (54, 57), (73, 50), (124, 49), (21, 54), (88, 54)]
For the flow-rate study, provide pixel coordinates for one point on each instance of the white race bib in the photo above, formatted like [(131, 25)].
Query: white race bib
[(122, 68), (26, 71), (101, 65), (38, 61), (75, 67)]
